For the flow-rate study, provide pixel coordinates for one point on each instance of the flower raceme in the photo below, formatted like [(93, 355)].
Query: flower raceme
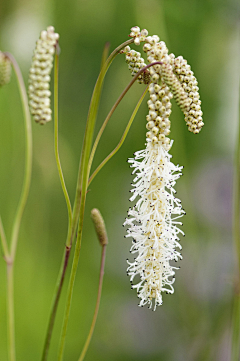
[(39, 76), (153, 223)]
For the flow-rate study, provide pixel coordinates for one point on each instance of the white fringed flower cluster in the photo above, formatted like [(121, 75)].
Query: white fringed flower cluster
[(153, 222), (39, 76), (5, 69)]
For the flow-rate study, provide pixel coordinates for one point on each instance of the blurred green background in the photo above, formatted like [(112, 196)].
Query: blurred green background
[(192, 324)]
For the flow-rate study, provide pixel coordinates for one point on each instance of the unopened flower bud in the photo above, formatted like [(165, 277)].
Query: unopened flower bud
[(99, 226)]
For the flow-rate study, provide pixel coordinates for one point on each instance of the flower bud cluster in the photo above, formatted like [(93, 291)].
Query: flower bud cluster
[(135, 62), (174, 84), (138, 35), (193, 115), (156, 51), (39, 76), (174, 74), (5, 69), (158, 123)]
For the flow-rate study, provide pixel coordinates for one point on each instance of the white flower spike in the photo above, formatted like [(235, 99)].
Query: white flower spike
[(153, 223), (39, 76)]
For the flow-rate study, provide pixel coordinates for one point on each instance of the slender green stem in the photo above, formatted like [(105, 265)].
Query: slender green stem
[(72, 224), (67, 249), (114, 108), (64, 188), (4, 240), (85, 348), (82, 184), (28, 156), (236, 235), (10, 312), (55, 303), (92, 114), (20, 208), (121, 140)]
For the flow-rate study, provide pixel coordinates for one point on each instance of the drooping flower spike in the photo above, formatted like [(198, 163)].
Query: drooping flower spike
[(153, 223), (39, 76)]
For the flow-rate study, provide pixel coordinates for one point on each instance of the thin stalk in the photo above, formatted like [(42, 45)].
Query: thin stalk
[(92, 114), (114, 108), (82, 183), (56, 298), (10, 311), (64, 188), (121, 140), (85, 348), (236, 235), (20, 208), (74, 217), (28, 156), (67, 249), (4, 240)]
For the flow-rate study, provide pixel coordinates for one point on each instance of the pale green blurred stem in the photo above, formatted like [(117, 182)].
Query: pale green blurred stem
[(82, 183), (28, 157), (236, 235), (20, 209), (3, 240), (10, 311), (121, 140), (85, 348)]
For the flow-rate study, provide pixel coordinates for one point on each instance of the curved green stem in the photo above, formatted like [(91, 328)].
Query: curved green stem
[(64, 188), (20, 208), (28, 157), (82, 184), (85, 348), (72, 225), (67, 250), (92, 114), (121, 140)]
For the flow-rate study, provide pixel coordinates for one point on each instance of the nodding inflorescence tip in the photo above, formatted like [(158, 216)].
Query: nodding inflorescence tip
[(173, 78)]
